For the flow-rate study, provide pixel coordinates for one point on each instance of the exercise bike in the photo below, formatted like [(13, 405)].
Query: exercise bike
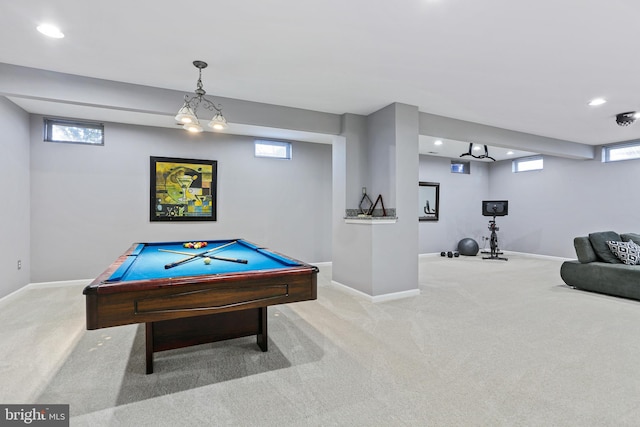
[(493, 239)]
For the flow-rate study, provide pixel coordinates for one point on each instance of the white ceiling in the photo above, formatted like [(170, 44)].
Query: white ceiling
[(524, 66)]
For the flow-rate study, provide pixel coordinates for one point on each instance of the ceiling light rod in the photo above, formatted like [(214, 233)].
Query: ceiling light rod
[(481, 156), (187, 114)]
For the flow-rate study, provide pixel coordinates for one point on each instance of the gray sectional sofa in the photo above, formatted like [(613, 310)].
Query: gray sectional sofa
[(597, 269)]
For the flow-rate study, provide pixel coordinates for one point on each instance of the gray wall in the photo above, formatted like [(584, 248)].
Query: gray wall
[(61, 184), (90, 203), (461, 198), (14, 219), (548, 208)]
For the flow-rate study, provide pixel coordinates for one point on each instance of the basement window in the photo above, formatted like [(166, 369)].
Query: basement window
[(617, 152), (73, 131), (272, 149), (526, 164), (460, 167)]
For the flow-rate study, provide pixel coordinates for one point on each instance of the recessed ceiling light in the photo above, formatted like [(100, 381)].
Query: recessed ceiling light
[(50, 31), (476, 148), (509, 153), (597, 101), (437, 142)]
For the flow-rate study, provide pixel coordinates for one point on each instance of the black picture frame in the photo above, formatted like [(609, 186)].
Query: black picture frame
[(428, 201), (183, 189)]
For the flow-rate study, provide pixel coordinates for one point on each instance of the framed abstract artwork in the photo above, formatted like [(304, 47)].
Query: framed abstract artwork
[(183, 189), (429, 201)]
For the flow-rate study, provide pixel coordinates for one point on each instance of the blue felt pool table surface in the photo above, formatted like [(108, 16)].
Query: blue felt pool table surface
[(147, 262)]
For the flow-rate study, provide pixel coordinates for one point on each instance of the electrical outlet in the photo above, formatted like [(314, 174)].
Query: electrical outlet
[(19, 264)]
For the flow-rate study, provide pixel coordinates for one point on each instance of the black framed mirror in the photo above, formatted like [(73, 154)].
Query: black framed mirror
[(428, 201)]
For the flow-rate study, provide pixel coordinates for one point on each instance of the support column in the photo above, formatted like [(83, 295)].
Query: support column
[(380, 152)]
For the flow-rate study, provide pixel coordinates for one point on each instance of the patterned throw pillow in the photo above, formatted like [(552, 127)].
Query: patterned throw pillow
[(627, 252)]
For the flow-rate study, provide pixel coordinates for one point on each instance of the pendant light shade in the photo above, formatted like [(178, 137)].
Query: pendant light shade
[(218, 122)]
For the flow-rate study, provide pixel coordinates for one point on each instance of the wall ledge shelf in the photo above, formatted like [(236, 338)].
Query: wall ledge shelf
[(370, 220)]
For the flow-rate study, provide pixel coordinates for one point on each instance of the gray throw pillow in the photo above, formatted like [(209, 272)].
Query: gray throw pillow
[(631, 237), (584, 250), (599, 242)]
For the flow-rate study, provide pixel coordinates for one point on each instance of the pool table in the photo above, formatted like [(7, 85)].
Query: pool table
[(186, 300)]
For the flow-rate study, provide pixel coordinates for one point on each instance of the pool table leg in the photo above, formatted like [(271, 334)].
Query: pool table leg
[(149, 346), (262, 329), (261, 337)]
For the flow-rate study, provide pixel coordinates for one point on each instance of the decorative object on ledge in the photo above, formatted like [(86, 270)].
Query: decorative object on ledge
[(187, 114), (379, 199), (366, 200), (481, 156), (370, 206), (183, 189), (429, 201)]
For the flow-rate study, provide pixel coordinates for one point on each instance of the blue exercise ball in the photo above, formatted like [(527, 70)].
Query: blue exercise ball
[(468, 247)]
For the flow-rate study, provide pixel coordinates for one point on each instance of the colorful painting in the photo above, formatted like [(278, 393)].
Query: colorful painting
[(183, 189)]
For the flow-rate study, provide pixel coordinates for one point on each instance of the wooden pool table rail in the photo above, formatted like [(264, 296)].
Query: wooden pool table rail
[(196, 296)]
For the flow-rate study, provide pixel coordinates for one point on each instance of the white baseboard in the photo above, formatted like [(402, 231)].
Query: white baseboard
[(530, 255), (59, 283), (377, 298), (396, 295), (506, 253), (429, 255), (16, 292), (45, 285), (322, 264)]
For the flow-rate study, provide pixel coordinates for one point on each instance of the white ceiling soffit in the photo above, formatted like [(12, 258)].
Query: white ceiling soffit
[(449, 148), (55, 109), (453, 149)]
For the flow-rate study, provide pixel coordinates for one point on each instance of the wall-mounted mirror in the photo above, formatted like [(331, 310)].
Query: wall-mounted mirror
[(428, 201)]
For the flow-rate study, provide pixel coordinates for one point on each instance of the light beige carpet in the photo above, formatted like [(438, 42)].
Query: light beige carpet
[(487, 343)]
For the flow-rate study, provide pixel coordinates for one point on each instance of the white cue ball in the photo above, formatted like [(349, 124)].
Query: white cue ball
[(207, 260)]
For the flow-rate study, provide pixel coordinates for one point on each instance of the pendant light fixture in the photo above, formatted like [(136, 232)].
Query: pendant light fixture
[(187, 114)]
